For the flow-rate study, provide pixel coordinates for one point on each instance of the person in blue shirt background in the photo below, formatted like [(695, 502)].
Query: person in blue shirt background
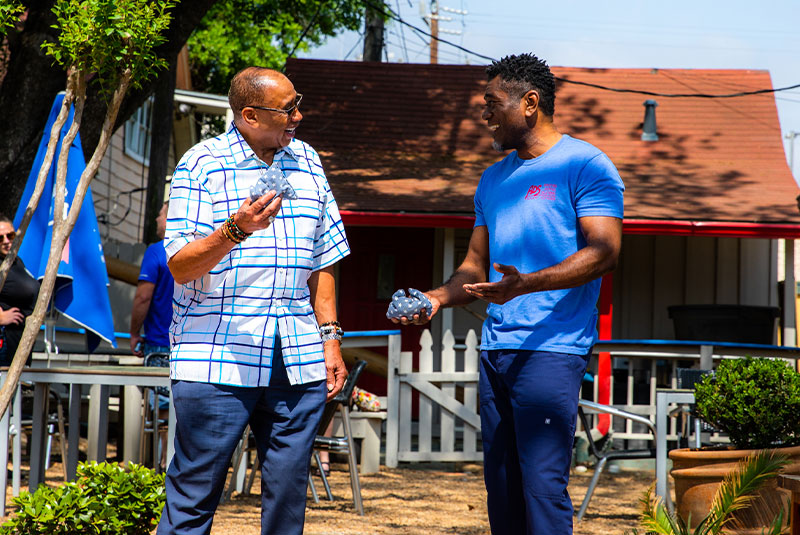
[(548, 225), (152, 304)]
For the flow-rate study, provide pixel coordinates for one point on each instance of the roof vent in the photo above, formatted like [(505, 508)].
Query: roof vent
[(649, 129)]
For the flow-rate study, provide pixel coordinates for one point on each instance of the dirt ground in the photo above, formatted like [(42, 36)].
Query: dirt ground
[(424, 499), (436, 500)]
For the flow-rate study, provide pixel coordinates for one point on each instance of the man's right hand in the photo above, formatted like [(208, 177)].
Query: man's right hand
[(135, 339), (258, 214), (423, 317)]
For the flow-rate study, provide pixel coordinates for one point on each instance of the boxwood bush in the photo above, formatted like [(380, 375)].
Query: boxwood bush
[(756, 401), (104, 499)]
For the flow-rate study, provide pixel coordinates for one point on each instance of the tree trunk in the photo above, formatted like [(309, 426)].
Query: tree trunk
[(373, 35), (32, 82), (27, 91), (161, 141)]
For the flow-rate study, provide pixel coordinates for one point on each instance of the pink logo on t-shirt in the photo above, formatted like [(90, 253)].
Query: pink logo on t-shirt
[(542, 191)]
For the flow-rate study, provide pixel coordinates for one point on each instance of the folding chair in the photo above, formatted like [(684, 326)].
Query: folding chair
[(342, 444), (604, 456)]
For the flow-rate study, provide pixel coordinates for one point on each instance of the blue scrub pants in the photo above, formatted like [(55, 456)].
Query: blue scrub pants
[(529, 406), (210, 421)]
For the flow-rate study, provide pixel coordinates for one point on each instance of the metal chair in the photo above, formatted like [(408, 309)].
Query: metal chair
[(150, 418), (687, 378), (602, 456), (341, 444)]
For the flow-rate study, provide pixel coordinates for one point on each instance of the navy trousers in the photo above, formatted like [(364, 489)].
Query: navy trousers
[(210, 421), (529, 406)]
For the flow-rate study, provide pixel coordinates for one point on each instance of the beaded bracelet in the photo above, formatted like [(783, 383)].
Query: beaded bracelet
[(232, 231), (227, 234), (334, 323)]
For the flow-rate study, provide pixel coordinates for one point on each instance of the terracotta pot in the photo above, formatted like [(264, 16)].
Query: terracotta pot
[(698, 474)]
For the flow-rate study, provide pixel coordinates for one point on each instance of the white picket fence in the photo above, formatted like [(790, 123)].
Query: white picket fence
[(447, 427)]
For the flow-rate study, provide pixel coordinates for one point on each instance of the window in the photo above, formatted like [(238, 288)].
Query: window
[(137, 133)]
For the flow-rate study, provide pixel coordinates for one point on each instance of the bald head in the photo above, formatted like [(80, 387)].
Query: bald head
[(249, 86)]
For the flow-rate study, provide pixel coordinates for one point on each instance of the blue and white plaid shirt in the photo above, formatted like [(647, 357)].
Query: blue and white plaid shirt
[(224, 324)]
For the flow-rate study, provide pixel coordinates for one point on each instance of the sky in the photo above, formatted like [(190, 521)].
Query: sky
[(702, 34)]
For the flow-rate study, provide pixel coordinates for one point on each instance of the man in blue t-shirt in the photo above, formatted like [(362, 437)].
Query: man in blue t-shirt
[(548, 225), (152, 304)]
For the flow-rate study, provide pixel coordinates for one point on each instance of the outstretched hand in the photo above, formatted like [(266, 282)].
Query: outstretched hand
[(502, 291)]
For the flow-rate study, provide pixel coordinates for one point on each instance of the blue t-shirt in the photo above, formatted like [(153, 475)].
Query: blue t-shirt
[(531, 210), (159, 315)]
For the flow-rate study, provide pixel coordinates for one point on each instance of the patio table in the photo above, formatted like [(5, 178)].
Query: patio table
[(101, 378)]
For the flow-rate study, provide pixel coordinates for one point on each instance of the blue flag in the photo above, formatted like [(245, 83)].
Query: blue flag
[(81, 291)]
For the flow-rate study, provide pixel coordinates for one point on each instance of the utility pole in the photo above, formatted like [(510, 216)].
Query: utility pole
[(434, 31), (373, 35), (433, 19)]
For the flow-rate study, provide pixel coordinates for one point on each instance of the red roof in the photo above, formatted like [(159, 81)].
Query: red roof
[(409, 138)]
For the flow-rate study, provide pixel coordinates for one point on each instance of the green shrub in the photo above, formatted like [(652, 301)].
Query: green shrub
[(104, 499), (755, 401)]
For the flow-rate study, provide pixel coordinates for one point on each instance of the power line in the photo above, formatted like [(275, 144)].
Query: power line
[(399, 19)]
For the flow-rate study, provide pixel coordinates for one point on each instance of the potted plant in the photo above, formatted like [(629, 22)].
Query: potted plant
[(756, 401), (734, 495)]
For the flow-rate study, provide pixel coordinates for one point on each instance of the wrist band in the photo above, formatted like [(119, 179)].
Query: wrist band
[(331, 330), (331, 336)]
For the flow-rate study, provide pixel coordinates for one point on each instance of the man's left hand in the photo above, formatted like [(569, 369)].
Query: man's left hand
[(334, 365), (506, 289)]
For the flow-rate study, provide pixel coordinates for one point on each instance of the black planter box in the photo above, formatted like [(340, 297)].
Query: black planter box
[(724, 323)]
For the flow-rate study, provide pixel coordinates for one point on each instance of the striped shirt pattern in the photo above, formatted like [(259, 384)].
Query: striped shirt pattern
[(224, 324)]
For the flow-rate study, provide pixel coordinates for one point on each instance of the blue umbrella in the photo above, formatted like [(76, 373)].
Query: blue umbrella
[(81, 290)]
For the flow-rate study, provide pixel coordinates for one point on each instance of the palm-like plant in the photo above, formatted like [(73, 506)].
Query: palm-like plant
[(735, 493)]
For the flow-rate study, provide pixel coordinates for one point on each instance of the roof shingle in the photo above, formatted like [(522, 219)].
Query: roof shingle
[(409, 138)]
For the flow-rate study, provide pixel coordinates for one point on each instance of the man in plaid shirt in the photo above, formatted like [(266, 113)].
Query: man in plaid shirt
[(254, 337)]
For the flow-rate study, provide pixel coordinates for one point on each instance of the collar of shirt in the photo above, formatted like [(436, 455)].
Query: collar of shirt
[(242, 153)]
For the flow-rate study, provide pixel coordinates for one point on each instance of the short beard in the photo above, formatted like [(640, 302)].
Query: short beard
[(497, 146)]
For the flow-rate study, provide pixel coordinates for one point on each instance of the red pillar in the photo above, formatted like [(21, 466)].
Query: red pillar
[(605, 307)]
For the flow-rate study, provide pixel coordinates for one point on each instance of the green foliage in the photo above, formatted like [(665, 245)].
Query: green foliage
[(755, 401), (735, 493), (236, 33), (109, 37), (9, 14), (105, 499)]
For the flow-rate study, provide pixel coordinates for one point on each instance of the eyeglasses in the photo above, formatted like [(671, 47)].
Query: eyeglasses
[(8, 236), (287, 111)]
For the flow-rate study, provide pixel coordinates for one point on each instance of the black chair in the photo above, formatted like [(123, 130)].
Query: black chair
[(602, 455), (340, 444)]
